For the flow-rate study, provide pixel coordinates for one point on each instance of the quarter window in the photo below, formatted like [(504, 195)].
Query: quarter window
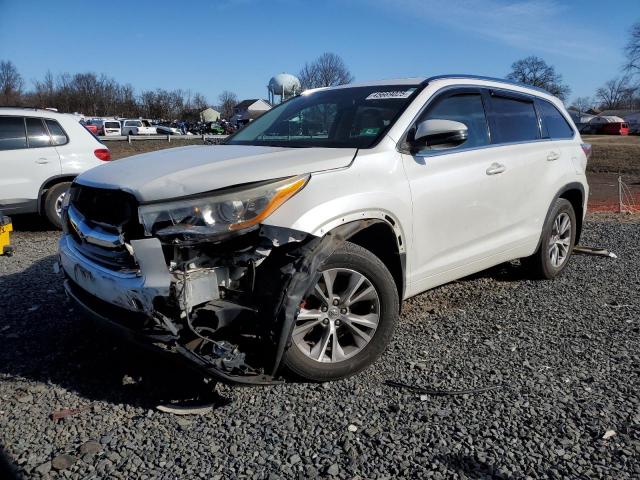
[(466, 108), (37, 133), (515, 120), (12, 133), (57, 133), (556, 125)]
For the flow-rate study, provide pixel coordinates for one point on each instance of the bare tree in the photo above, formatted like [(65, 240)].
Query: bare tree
[(633, 50), (534, 71), (11, 83), (582, 104), (616, 93), (227, 101), (327, 70)]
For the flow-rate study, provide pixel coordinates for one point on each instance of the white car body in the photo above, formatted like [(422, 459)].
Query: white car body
[(137, 127), (29, 171), (111, 128), (450, 213)]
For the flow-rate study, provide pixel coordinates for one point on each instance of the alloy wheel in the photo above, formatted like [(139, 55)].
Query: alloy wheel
[(560, 240), (338, 318)]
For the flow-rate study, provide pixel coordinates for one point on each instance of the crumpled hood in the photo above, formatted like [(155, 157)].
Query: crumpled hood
[(177, 172)]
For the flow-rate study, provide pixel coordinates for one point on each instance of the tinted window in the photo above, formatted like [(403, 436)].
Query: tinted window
[(37, 134), (352, 117), (514, 120), (57, 133), (466, 108), (554, 122), (12, 134), (111, 125)]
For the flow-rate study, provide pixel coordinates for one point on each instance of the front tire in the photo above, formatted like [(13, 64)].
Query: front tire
[(348, 318), (556, 244), (53, 203)]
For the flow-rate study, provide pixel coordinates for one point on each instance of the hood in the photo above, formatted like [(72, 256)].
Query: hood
[(177, 172)]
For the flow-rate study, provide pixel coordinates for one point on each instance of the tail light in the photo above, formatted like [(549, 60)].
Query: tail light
[(103, 154), (586, 148)]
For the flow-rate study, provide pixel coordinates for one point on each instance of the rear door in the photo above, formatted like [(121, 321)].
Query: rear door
[(27, 159), (522, 150)]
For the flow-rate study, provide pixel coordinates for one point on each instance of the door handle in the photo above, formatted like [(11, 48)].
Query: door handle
[(553, 156), (495, 168), (42, 160)]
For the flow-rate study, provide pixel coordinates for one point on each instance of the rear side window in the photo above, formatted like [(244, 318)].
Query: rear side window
[(57, 133), (12, 133), (111, 125), (514, 120), (556, 125), (466, 108), (37, 133)]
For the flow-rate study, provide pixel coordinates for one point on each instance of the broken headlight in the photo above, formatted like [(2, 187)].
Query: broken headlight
[(219, 213)]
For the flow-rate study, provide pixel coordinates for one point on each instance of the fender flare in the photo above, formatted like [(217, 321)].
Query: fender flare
[(48, 183), (559, 193)]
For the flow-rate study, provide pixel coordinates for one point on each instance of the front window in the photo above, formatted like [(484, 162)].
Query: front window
[(352, 117)]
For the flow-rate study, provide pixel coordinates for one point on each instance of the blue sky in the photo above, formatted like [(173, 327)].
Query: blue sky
[(239, 44)]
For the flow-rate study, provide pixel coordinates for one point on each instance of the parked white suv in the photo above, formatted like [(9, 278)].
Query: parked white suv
[(41, 152), (294, 243)]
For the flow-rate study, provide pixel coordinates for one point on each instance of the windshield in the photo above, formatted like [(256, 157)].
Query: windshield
[(354, 117)]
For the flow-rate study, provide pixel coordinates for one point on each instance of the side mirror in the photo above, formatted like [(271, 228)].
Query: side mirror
[(439, 132)]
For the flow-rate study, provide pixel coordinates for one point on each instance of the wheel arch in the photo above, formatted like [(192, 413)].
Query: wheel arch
[(50, 182), (574, 193), (383, 238)]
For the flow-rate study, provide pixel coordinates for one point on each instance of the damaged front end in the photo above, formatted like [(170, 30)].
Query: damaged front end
[(226, 301)]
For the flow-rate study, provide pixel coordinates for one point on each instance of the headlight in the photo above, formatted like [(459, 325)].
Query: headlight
[(220, 213)]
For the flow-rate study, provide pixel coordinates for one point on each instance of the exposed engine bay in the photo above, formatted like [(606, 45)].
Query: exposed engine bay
[(225, 302)]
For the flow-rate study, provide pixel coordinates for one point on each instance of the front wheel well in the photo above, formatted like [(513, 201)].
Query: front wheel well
[(42, 194), (380, 239)]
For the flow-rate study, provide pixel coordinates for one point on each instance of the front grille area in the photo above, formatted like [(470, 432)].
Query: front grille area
[(101, 221)]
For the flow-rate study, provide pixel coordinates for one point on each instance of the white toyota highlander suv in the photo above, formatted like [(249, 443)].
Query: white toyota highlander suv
[(293, 244), (41, 152)]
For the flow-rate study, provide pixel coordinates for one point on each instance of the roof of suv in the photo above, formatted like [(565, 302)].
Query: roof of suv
[(426, 80), (33, 111)]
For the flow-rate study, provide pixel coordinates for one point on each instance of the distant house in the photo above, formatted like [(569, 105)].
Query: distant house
[(579, 118), (248, 110), (209, 115)]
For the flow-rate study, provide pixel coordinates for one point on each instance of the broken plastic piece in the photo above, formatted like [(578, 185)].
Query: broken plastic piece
[(67, 412), (426, 391), (602, 252)]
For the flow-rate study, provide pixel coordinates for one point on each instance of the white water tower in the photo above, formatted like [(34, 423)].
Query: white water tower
[(283, 85)]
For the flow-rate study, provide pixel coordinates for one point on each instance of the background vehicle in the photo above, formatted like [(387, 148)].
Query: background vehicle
[(90, 127), (617, 128), (308, 228), (137, 127), (41, 152), (111, 128)]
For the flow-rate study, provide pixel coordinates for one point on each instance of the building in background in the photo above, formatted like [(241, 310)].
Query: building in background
[(209, 115), (248, 110)]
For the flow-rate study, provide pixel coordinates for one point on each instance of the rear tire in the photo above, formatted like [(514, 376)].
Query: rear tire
[(556, 244), (352, 323), (53, 203)]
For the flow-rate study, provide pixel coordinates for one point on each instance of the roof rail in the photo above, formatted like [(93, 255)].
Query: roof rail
[(480, 77)]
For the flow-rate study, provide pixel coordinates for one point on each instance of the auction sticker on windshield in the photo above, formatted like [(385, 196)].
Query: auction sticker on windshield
[(391, 94)]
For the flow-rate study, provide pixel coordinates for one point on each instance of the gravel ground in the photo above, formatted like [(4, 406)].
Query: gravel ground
[(566, 355)]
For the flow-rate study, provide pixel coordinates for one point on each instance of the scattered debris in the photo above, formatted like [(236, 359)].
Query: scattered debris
[(608, 434), (62, 462), (185, 410), (199, 406), (67, 412), (90, 448), (426, 391), (352, 428), (25, 398), (602, 252)]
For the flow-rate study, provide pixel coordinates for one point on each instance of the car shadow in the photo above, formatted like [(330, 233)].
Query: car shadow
[(31, 222), (504, 272), (46, 340)]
